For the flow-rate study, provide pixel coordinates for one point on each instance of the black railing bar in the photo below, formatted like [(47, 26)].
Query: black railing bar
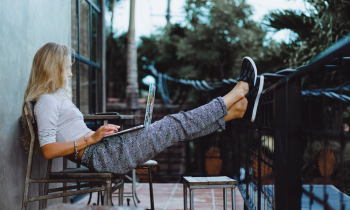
[(179, 174), (343, 58), (174, 156), (254, 127), (259, 158), (266, 196), (334, 51), (330, 95), (342, 142), (246, 201), (313, 197), (325, 134), (266, 102), (331, 66)]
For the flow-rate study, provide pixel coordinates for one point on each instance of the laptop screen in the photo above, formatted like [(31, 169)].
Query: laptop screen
[(150, 103)]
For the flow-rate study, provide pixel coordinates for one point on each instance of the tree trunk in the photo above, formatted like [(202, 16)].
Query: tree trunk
[(132, 88)]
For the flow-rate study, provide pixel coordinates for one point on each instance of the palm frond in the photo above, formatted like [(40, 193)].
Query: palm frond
[(289, 19)]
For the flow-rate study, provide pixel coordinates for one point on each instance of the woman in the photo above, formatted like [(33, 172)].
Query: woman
[(63, 133)]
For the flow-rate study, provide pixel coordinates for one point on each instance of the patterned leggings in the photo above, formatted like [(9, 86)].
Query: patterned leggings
[(120, 154)]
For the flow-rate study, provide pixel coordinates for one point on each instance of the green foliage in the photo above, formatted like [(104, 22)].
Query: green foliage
[(318, 28), (210, 47)]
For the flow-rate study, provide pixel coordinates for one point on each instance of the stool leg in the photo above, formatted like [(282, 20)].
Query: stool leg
[(121, 191), (185, 197), (233, 197), (225, 198), (151, 187), (134, 186), (191, 200), (98, 197)]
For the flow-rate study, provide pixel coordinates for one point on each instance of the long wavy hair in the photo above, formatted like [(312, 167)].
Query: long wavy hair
[(48, 74)]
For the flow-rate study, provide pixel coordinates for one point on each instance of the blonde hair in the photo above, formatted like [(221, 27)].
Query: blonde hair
[(48, 74)]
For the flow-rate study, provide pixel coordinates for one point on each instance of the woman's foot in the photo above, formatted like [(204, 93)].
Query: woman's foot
[(253, 99), (246, 82), (249, 72)]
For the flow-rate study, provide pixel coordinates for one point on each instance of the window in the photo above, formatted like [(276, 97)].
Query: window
[(87, 43)]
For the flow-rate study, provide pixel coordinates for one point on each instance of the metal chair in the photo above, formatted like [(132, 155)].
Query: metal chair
[(102, 180)]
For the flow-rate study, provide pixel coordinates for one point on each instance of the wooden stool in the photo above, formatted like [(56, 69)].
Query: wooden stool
[(209, 183)]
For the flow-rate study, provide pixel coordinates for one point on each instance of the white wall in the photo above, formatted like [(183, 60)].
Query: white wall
[(25, 26)]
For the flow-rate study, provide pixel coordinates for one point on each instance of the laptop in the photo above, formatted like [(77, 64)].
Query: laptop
[(148, 114)]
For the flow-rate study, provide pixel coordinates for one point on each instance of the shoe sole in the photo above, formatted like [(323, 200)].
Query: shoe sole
[(257, 98), (255, 69)]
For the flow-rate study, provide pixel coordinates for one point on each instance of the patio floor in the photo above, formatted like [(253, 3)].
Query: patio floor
[(170, 197)]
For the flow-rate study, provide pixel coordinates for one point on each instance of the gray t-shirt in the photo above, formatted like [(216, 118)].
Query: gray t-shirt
[(58, 119)]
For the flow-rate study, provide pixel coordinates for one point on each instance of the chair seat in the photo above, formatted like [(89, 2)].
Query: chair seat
[(80, 173), (149, 163)]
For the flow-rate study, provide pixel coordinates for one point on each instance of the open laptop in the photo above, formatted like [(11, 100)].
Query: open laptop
[(148, 114)]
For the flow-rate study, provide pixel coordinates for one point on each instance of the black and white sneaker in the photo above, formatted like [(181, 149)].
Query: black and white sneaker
[(253, 97), (248, 72)]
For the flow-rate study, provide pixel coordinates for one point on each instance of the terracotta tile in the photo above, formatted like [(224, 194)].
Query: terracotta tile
[(168, 195)]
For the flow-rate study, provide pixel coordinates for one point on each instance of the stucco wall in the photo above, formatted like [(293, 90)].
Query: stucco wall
[(25, 26)]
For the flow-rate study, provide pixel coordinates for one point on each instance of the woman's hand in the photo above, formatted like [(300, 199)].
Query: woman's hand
[(103, 131)]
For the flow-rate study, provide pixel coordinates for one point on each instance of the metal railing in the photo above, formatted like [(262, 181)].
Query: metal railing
[(296, 153)]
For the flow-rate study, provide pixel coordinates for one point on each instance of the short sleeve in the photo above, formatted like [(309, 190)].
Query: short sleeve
[(46, 113)]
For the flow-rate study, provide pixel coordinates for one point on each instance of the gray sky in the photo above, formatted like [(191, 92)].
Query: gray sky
[(150, 14)]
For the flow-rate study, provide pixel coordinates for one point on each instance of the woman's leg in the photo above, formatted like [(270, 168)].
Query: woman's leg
[(237, 110), (122, 153), (236, 94)]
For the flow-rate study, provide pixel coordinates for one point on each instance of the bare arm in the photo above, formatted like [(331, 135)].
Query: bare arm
[(61, 149)]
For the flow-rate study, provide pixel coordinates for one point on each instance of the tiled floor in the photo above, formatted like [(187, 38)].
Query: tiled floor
[(170, 196)]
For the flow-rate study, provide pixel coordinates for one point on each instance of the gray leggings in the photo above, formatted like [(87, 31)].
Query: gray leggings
[(120, 154)]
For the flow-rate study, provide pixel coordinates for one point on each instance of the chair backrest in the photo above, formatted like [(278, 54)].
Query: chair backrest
[(29, 114), (30, 120)]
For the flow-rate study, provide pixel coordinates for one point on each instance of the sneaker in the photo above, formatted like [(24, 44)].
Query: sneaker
[(248, 72), (253, 97)]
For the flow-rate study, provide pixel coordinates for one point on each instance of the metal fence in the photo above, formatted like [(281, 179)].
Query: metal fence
[(296, 154)]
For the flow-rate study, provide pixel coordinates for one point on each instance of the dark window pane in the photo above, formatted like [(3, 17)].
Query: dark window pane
[(84, 88), (95, 93), (96, 52), (84, 41), (74, 25), (74, 82)]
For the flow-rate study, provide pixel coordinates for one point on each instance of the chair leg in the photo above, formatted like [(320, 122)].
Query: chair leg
[(45, 193), (109, 193), (89, 199), (151, 187), (102, 198), (137, 198), (25, 195), (98, 197), (134, 186), (121, 192)]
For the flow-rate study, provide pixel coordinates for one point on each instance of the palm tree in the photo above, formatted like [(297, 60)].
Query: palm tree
[(132, 88), (316, 29)]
